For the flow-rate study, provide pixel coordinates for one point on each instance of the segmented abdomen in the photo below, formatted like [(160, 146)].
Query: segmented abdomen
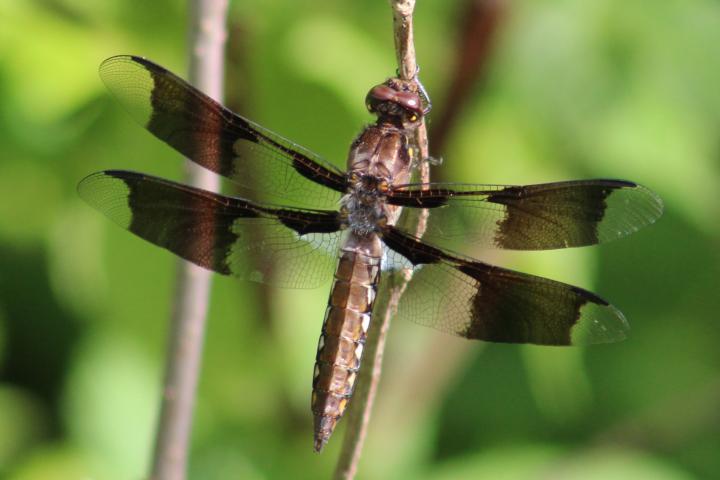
[(342, 340)]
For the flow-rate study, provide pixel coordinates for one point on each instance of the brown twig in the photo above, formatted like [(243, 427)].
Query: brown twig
[(431, 368), (358, 416), (207, 35)]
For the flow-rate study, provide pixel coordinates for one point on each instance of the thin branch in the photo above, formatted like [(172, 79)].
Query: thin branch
[(360, 408), (187, 329), (433, 368)]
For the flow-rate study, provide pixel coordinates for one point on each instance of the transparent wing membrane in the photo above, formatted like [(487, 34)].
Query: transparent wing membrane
[(232, 236), (216, 138)]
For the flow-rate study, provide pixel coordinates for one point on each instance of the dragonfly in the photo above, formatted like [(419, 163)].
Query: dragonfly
[(302, 221)]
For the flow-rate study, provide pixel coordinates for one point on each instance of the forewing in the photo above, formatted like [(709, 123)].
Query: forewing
[(475, 300), (216, 138), (229, 235), (531, 217)]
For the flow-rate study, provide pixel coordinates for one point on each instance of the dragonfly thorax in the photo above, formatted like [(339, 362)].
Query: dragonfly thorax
[(363, 208)]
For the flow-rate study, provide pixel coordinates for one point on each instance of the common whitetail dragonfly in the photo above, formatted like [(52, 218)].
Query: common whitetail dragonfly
[(346, 222)]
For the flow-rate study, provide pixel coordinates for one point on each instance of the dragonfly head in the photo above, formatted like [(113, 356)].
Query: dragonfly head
[(398, 102)]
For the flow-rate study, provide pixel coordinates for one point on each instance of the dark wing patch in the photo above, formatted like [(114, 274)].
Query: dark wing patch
[(216, 138), (532, 217), (229, 235), (475, 300)]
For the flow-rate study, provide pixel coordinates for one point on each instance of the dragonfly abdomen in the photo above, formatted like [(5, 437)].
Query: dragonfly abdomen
[(345, 328)]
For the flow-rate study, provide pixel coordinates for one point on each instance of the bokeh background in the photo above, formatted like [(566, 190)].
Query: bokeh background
[(562, 90)]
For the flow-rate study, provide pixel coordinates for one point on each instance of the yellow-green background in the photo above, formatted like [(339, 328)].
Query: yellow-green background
[(575, 89)]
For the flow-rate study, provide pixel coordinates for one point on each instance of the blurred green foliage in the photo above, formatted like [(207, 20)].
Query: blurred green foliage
[(576, 89)]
